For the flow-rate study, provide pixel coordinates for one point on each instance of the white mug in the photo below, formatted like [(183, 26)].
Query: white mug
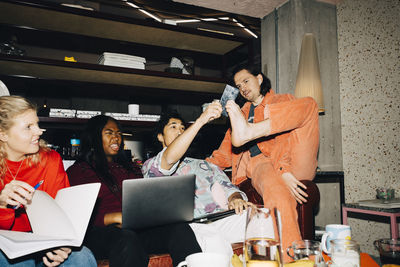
[(334, 231), (208, 259), (133, 109)]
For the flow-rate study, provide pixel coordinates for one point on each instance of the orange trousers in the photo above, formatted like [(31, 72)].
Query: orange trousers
[(270, 185), (301, 118)]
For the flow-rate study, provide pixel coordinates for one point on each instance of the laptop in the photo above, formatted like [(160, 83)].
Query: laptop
[(151, 202)]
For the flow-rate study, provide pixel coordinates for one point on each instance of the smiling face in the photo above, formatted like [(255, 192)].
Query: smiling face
[(23, 136), (171, 131), (111, 136), (249, 86)]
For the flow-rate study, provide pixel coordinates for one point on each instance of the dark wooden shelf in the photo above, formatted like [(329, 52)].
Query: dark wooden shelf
[(84, 121), (65, 126), (49, 30), (49, 25), (82, 72), (75, 44), (41, 15)]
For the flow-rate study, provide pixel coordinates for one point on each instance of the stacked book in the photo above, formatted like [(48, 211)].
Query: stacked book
[(62, 113), (86, 114), (129, 117), (122, 60)]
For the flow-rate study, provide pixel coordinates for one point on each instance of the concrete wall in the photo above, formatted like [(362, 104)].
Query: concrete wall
[(359, 46), (281, 37), (369, 75)]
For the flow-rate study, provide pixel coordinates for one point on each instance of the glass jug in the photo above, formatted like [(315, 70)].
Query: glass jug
[(389, 250), (262, 246), (344, 253)]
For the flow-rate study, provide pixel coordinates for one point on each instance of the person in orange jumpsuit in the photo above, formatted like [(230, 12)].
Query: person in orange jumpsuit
[(276, 146)]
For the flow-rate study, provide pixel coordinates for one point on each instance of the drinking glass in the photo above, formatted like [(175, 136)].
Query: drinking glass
[(389, 251), (306, 249), (262, 239), (345, 253)]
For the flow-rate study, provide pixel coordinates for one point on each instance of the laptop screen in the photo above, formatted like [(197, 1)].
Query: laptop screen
[(150, 202)]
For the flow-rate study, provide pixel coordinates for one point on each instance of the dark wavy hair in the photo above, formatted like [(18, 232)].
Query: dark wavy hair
[(265, 86), (164, 119), (92, 151)]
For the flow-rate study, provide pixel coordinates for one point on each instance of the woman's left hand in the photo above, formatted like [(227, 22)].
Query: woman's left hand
[(56, 257), (238, 204)]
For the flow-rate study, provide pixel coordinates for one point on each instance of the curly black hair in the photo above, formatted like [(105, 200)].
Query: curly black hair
[(92, 151)]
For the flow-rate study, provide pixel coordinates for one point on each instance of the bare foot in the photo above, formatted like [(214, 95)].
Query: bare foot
[(240, 127)]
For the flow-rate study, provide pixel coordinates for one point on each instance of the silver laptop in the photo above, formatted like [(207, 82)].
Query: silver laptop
[(151, 202)]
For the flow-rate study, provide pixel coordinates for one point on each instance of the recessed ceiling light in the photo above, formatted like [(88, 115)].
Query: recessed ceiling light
[(132, 5), (221, 32), (209, 19), (150, 15), (187, 20), (252, 33)]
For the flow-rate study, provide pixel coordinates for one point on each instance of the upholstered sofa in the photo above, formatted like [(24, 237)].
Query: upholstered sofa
[(305, 219)]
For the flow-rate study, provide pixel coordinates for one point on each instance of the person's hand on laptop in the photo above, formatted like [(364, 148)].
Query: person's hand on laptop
[(236, 202), (113, 218)]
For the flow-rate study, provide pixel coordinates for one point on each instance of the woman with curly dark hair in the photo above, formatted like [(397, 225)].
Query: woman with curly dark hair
[(103, 160)]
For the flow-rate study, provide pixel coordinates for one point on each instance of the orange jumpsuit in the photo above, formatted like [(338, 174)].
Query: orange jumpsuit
[(291, 147)]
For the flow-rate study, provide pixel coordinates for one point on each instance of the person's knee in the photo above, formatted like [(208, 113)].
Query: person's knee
[(128, 241), (217, 244), (82, 257), (128, 250), (180, 229)]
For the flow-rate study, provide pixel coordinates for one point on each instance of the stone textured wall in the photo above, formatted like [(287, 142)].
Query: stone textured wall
[(369, 79), (281, 36)]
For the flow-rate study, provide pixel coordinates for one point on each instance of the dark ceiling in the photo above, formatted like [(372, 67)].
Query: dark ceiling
[(167, 9)]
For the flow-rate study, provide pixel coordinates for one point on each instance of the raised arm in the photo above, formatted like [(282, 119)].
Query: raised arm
[(179, 146), (280, 117)]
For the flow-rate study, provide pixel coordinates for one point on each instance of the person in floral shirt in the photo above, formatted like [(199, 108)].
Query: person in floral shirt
[(214, 191)]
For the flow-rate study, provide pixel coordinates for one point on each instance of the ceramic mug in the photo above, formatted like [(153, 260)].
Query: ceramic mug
[(133, 109), (334, 231), (208, 259)]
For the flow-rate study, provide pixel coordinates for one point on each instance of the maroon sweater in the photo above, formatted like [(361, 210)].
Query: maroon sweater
[(107, 200)]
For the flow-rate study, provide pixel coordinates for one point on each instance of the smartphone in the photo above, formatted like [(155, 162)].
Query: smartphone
[(230, 93)]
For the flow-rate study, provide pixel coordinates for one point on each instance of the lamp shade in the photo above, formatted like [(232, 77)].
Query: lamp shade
[(308, 81)]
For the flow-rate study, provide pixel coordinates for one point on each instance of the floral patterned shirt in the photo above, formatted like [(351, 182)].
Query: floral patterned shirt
[(213, 187)]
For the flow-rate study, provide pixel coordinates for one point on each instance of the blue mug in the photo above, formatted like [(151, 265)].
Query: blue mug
[(334, 231)]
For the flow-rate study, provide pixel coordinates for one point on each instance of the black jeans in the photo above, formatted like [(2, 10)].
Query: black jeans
[(125, 247)]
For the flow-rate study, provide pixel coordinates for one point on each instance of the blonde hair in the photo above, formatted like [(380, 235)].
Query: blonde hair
[(10, 107)]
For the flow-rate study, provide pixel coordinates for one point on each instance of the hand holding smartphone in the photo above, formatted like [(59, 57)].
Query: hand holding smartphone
[(230, 93)]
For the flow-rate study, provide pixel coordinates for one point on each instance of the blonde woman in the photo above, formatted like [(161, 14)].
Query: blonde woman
[(24, 162)]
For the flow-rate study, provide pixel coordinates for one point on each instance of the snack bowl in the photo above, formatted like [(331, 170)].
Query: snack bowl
[(385, 194)]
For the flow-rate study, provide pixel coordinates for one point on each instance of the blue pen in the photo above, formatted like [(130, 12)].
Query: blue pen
[(35, 187), (38, 184)]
